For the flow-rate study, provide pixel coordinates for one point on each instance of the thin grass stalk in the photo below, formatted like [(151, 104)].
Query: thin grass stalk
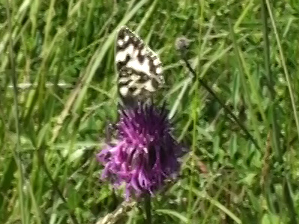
[(276, 133), (249, 136), (21, 179), (284, 66), (271, 83)]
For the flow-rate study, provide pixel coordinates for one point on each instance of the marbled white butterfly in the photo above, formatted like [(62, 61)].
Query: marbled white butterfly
[(139, 68)]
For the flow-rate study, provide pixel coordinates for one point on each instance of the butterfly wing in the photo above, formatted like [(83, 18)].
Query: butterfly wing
[(139, 68)]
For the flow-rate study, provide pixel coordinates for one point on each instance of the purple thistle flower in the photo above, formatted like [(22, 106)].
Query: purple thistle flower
[(145, 153)]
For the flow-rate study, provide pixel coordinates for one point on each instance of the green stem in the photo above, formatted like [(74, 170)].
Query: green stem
[(147, 208)]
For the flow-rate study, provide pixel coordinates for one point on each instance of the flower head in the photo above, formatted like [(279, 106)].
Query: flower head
[(145, 153)]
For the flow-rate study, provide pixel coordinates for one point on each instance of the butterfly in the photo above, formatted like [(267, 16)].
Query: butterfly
[(139, 69)]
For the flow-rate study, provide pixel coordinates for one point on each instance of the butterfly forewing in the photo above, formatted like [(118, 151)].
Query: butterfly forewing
[(139, 68)]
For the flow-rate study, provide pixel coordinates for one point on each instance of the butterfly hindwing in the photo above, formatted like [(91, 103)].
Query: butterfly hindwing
[(139, 68)]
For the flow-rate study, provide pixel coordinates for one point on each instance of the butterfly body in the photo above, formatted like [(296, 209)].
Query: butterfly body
[(139, 69)]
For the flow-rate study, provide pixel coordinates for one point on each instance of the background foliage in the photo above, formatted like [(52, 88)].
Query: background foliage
[(58, 93)]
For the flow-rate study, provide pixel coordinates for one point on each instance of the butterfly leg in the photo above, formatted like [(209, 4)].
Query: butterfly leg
[(110, 130)]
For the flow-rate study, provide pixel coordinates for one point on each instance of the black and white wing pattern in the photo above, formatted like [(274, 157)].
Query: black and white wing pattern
[(139, 68)]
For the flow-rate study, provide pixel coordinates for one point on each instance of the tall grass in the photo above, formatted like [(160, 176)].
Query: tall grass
[(58, 93)]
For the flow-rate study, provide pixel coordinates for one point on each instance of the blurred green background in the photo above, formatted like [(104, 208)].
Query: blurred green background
[(58, 93)]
